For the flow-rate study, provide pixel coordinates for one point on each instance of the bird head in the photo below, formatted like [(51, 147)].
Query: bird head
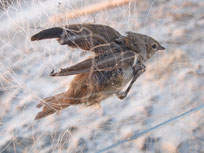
[(144, 45)]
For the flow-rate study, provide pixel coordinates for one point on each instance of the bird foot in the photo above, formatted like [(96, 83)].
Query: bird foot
[(52, 73), (122, 95)]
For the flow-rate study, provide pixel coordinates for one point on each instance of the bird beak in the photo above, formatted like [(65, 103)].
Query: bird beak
[(161, 48)]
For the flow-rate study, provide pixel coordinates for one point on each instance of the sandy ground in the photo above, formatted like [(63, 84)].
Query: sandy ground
[(172, 84)]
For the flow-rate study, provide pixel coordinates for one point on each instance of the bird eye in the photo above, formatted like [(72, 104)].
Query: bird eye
[(154, 46)]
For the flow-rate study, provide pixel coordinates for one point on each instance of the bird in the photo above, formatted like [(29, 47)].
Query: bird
[(117, 60)]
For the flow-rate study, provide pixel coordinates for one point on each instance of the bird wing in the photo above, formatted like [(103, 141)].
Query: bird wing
[(104, 62), (84, 36)]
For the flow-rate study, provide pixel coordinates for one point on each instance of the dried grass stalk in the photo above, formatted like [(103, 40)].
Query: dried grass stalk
[(108, 4)]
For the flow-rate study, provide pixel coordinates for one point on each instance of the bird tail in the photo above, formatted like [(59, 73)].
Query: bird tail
[(55, 32), (76, 94), (52, 104)]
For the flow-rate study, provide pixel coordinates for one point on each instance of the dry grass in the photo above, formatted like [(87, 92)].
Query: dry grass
[(88, 10)]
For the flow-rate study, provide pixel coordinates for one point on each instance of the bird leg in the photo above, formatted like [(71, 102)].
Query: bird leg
[(137, 71)]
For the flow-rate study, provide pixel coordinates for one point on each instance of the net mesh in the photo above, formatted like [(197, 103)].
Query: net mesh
[(171, 85)]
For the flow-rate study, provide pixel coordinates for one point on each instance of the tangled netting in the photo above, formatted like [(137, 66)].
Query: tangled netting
[(172, 84)]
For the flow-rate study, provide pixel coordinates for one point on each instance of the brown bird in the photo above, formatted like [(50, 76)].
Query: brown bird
[(118, 60)]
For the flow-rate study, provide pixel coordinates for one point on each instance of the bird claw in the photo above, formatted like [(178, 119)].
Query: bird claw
[(122, 95), (52, 71), (61, 70)]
